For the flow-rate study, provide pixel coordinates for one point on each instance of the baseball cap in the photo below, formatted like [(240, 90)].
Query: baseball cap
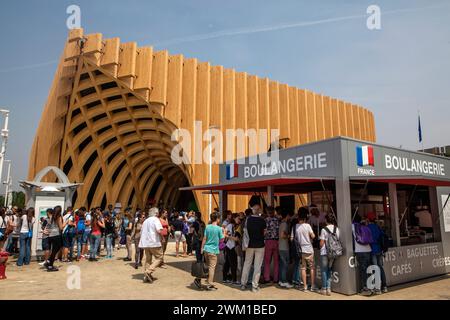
[(371, 216)]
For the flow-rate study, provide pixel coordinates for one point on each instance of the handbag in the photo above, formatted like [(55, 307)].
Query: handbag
[(222, 245), (199, 269)]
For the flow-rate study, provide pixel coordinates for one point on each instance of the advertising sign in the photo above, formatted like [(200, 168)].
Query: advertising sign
[(311, 160), (403, 264), (374, 160)]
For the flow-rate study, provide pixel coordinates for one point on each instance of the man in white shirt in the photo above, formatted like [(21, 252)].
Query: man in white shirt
[(151, 243), (305, 235)]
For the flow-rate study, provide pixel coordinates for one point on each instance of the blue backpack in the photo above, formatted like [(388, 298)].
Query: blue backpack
[(81, 226)]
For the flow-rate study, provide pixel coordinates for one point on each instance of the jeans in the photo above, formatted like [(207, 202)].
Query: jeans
[(109, 245), (95, 241), (25, 249), (11, 243), (296, 274), (284, 264), (363, 259), (326, 266), (377, 259), (271, 250), (258, 254), (230, 264), (79, 244)]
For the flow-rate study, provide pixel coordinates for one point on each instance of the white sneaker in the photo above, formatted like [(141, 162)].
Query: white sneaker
[(287, 285)]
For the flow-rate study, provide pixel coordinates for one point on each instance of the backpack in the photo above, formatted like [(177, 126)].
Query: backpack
[(185, 228), (81, 226), (69, 229), (333, 244), (363, 235), (384, 242)]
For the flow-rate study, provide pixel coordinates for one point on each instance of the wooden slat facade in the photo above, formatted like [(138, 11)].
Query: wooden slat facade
[(112, 108)]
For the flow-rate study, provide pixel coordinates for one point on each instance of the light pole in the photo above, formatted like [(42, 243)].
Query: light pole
[(4, 134), (8, 183), (210, 164)]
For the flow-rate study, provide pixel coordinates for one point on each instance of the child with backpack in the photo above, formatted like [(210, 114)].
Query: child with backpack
[(379, 246), (362, 238), (330, 249)]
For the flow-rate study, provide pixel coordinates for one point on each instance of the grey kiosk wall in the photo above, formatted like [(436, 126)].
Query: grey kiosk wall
[(336, 159), (36, 197)]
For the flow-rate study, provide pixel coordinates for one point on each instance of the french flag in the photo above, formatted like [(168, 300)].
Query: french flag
[(232, 170), (364, 156)]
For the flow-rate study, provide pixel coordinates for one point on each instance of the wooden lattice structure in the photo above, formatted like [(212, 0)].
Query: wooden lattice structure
[(113, 106)]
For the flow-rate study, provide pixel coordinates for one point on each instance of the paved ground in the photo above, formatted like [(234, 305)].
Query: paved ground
[(116, 279)]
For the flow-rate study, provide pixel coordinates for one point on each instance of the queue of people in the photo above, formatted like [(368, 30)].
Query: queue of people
[(253, 241), (63, 231), (258, 246)]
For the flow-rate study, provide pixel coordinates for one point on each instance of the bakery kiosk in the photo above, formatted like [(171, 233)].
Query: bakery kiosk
[(408, 191)]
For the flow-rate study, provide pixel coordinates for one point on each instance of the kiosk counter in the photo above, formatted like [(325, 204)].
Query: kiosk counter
[(407, 191)]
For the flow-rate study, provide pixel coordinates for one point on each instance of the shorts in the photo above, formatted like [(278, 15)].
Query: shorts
[(85, 236), (179, 236), (45, 244), (308, 261), (67, 240)]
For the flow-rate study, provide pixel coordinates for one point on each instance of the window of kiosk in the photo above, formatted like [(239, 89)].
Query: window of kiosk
[(372, 200), (417, 222)]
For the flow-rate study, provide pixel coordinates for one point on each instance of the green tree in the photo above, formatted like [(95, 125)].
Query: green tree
[(18, 199)]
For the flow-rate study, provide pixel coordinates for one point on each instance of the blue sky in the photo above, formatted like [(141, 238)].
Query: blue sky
[(394, 71)]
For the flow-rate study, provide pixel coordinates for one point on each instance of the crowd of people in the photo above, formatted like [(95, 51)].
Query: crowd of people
[(264, 244), (270, 246), (74, 235)]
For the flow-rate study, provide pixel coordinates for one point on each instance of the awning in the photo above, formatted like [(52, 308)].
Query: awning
[(411, 180), (260, 185)]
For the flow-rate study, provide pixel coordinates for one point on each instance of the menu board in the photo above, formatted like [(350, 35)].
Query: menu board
[(446, 212)]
